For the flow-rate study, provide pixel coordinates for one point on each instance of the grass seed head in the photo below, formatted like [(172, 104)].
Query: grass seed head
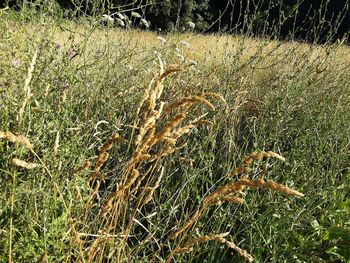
[(57, 143), (166, 131), (153, 188), (194, 218), (215, 95), (19, 139), (85, 166), (189, 102), (108, 145), (24, 164), (27, 91), (213, 237), (261, 183), (134, 175), (248, 160)]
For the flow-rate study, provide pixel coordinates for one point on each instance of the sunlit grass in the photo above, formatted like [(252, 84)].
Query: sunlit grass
[(292, 98)]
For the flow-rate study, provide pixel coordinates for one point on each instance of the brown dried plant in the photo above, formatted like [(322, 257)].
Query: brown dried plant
[(24, 164), (27, 90), (213, 237), (248, 160), (226, 193), (158, 131), (19, 139), (157, 128)]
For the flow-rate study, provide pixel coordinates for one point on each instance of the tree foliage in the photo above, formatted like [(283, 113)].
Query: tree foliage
[(313, 20)]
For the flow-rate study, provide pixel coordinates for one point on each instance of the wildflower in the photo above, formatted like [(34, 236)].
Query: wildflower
[(191, 25), (120, 16), (135, 14), (107, 18), (15, 63), (185, 43), (162, 39), (145, 23), (58, 45), (120, 22)]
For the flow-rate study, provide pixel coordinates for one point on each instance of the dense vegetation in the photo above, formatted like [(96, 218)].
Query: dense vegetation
[(99, 162), (311, 20)]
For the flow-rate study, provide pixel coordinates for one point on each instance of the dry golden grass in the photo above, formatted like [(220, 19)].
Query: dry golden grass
[(158, 131), (213, 237), (248, 160), (158, 126), (24, 164), (125, 187), (210, 51), (224, 194), (27, 90), (19, 139)]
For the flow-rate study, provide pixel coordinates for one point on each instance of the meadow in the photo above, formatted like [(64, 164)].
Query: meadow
[(127, 146)]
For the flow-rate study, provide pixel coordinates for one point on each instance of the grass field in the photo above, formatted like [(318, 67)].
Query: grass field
[(115, 180)]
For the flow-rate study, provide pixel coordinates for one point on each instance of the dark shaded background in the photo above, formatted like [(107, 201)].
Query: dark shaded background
[(308, 20)]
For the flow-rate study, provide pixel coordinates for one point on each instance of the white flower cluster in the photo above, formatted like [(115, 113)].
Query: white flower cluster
[(123, 20)]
